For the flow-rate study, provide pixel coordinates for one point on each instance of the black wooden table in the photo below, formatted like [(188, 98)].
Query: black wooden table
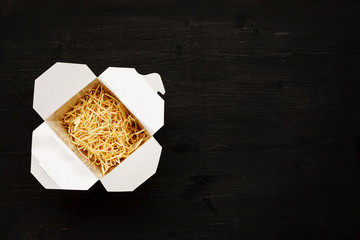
[(262, 125)]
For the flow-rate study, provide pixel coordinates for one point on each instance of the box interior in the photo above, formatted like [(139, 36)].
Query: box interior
[(61, 131)]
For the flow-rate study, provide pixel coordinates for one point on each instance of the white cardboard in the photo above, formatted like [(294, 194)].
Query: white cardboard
[(58, 84), (137, 95), (64, 168), (53, 162), (138, 167), (155, 82), (41, 175)]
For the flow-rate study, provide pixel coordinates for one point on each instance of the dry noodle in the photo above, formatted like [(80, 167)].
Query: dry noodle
[(102, 129)]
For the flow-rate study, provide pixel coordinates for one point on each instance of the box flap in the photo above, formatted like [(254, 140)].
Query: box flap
[(137, 94), (155, 82), (58, 84), (41, 175), (55, 165), (135, 169)]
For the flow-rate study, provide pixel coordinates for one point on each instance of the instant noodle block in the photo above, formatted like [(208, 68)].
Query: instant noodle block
[(96, 128)]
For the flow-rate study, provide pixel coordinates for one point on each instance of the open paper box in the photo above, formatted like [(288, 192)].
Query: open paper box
[(56, 162)]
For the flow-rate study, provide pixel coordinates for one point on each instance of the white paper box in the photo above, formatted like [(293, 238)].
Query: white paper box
[(55, 161)]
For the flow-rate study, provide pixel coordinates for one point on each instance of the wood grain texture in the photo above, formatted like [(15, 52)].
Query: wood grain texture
[(261, 135)]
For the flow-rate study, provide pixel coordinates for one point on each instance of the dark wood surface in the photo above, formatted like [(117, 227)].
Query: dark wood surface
[(262, 125)]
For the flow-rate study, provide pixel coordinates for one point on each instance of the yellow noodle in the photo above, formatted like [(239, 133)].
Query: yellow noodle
[(102, 129)]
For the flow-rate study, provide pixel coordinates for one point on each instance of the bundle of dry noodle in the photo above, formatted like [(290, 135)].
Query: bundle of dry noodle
[(103, 129)]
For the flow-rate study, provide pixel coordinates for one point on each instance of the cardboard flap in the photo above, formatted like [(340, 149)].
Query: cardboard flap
[(137, 94), (45, 180), (135, 169), (155, 82), (55, 165), (58, 84)]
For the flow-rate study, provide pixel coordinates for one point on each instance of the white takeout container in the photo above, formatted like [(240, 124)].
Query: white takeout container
[(55, 161)]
